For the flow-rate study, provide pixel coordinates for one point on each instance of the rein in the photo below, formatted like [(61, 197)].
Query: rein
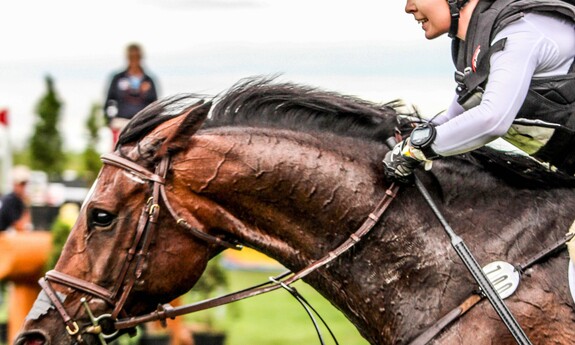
[(286, 279), (138, 252), (107, 326)]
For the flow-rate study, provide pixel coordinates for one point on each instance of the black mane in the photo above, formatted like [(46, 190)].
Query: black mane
[(261, 103)]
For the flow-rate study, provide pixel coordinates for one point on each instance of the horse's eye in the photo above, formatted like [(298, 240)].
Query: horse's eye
[(101, 218)]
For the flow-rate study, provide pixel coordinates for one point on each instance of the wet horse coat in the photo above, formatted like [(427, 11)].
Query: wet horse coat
[(292, 171)]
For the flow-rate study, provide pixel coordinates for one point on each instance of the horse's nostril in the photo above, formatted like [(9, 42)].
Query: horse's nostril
[(31, 338)]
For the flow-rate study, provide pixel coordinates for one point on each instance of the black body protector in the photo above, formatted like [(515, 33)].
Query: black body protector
[(545, 124)]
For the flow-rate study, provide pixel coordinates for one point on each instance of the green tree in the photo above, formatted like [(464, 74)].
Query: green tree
[(61, 228), (46, 143), (92, 163), (213, 279)]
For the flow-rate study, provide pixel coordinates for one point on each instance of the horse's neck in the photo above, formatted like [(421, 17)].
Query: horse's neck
[(300, 195), (301, 198)]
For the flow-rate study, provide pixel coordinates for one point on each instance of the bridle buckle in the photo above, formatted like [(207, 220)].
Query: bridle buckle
[(74, 329)]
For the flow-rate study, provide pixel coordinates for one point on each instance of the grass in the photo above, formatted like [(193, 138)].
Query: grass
[(3, 303), (276, 318), (3, 307)]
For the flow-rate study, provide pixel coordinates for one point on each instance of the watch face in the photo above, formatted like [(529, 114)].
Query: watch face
[(420, 136)]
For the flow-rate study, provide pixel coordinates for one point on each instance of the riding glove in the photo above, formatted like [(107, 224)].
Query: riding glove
[(410, 153), (400, 162)]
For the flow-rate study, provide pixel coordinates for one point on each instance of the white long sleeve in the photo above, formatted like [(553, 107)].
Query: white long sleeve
[(537, 45)]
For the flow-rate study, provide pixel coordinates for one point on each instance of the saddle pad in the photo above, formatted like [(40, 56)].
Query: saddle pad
[(572, 279), (571, 244), (571, 247)]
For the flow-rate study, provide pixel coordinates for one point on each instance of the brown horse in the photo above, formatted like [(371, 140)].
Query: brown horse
[(292, 171)]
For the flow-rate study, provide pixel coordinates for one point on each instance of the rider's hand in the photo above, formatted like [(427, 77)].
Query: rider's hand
[(400, 162)]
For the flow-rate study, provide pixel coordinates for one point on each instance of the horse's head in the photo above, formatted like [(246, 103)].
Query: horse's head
[(124, 254)]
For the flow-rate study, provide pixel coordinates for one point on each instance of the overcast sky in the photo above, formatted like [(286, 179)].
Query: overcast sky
[(368, 48)]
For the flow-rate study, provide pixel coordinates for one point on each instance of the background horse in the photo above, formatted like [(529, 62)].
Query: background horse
[(292, 171)]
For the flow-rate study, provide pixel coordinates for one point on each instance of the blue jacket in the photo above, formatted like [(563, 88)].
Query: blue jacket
[(125, 96)]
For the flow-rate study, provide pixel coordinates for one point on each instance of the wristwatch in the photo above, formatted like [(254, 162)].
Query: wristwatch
[(422, 137)]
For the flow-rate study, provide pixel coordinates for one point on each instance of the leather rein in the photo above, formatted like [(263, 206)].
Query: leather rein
[(107, 326), (132, 268)]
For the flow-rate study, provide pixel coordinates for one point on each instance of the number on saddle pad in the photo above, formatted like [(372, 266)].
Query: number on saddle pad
[(503, 276)]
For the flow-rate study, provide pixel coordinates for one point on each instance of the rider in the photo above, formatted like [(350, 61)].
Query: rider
[(516, 80)]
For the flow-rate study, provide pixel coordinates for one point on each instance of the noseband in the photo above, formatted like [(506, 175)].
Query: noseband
[(134, 263)]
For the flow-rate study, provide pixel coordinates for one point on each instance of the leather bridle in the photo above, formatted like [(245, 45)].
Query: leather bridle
[(134, 263)]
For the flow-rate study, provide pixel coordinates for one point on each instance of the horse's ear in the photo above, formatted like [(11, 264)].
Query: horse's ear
[(193, 119)]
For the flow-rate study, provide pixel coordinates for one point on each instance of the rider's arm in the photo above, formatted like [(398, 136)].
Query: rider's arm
[(454, 110), (528, 51)]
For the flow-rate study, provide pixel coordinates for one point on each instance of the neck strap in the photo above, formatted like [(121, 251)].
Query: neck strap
[(454, 11)]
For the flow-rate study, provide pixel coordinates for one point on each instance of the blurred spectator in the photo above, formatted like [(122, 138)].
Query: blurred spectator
[(13, 210), (129, 92)]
